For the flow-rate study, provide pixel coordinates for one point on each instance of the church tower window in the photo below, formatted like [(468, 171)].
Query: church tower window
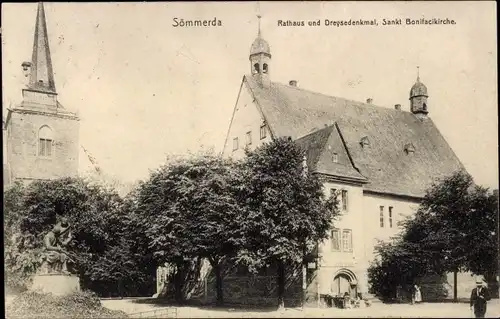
[(45, 141), (265, 68), (256, 69)]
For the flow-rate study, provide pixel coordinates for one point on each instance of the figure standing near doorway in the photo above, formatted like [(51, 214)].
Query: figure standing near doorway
[(416, 296)]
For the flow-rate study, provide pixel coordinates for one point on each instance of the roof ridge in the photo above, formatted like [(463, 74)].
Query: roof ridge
[(341, 98)]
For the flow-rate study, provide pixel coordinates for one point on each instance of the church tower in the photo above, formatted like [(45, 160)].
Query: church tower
[(260, 58), (42, 136), (418, 98)]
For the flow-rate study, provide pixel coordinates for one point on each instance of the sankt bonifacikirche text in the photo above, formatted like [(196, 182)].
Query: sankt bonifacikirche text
[(362, 22)]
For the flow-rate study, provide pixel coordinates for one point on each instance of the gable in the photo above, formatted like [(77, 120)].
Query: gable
[(327, 154), (246, 119)]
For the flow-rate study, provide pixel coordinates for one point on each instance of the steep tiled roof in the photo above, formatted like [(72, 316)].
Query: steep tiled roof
[(291, 111), (320, 148)]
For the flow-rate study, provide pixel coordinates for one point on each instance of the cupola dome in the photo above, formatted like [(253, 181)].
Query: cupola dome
[(260, 46), (418, 89)]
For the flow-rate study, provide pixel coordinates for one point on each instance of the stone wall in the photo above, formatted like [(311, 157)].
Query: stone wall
[(22, 150), (244, 288)]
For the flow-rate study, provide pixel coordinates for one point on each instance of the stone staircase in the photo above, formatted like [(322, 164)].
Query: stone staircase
[(372, 298)]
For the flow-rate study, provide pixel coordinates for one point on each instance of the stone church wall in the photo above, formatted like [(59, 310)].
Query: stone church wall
[(23, 147)]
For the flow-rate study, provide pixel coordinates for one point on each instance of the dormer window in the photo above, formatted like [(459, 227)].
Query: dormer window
[(364, 141), (409, 149), (335, 158)]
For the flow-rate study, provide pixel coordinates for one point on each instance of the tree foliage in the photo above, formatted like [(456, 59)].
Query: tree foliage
[(286, 213), (188, 209), (454, 229), (95, 213)]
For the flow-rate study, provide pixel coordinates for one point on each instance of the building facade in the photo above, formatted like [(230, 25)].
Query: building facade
[(378, 160), (40, 137)]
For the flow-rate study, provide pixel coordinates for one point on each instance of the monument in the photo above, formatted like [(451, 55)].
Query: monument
[(53, 276)]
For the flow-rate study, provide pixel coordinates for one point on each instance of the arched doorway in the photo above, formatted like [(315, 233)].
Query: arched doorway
[(345, 281)]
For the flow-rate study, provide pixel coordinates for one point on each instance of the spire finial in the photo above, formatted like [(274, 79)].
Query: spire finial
[(258, 17), (418, 73)]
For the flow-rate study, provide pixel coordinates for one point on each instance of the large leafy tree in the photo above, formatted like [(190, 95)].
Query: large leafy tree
[(286, 213), (456, 224), (454, 229), (188, 209), (94, 212)]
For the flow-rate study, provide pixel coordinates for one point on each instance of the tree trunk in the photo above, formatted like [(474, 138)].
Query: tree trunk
[(304, 284), (455, 294), (215, 263), (281, 285), (178, 283)]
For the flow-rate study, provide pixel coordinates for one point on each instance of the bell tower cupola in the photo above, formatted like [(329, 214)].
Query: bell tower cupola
[(260, 58), (418, 98)]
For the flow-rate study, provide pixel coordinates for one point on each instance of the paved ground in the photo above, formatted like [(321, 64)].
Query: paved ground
[(425, 310)]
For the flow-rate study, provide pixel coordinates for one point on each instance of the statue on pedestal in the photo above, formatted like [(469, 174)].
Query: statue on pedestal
[(56, 257)]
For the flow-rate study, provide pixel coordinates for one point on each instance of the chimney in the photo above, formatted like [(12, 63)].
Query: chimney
[(369, 100), (292, 83), (397, 107)]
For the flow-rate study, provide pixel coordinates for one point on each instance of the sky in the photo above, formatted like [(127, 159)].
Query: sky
[(145, 89)]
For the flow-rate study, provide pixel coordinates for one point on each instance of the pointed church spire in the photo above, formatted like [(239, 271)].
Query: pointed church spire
[(418, 74), (42, 75)]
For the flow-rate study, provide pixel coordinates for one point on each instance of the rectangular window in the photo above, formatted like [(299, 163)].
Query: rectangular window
[(381, 216), (344, 200), (336, 240), (335, 158), (249, 138), (390, 216), (45, 147), (347, 240), (235, 144), (333, 193), (263, 131)]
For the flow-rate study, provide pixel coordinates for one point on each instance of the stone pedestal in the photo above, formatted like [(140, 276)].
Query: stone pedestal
[(57, 284)]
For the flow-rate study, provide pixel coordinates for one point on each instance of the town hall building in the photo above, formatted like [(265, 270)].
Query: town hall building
[(378, 160), (40, 136)]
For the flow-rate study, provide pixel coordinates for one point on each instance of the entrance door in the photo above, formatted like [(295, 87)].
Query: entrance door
[(343, 284)]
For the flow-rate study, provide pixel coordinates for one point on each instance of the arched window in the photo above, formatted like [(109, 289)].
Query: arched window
[(425, 107), (256, 68), (45, 141), (265, 68)]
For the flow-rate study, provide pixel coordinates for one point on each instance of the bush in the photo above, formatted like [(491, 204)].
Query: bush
[(77, 305)]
